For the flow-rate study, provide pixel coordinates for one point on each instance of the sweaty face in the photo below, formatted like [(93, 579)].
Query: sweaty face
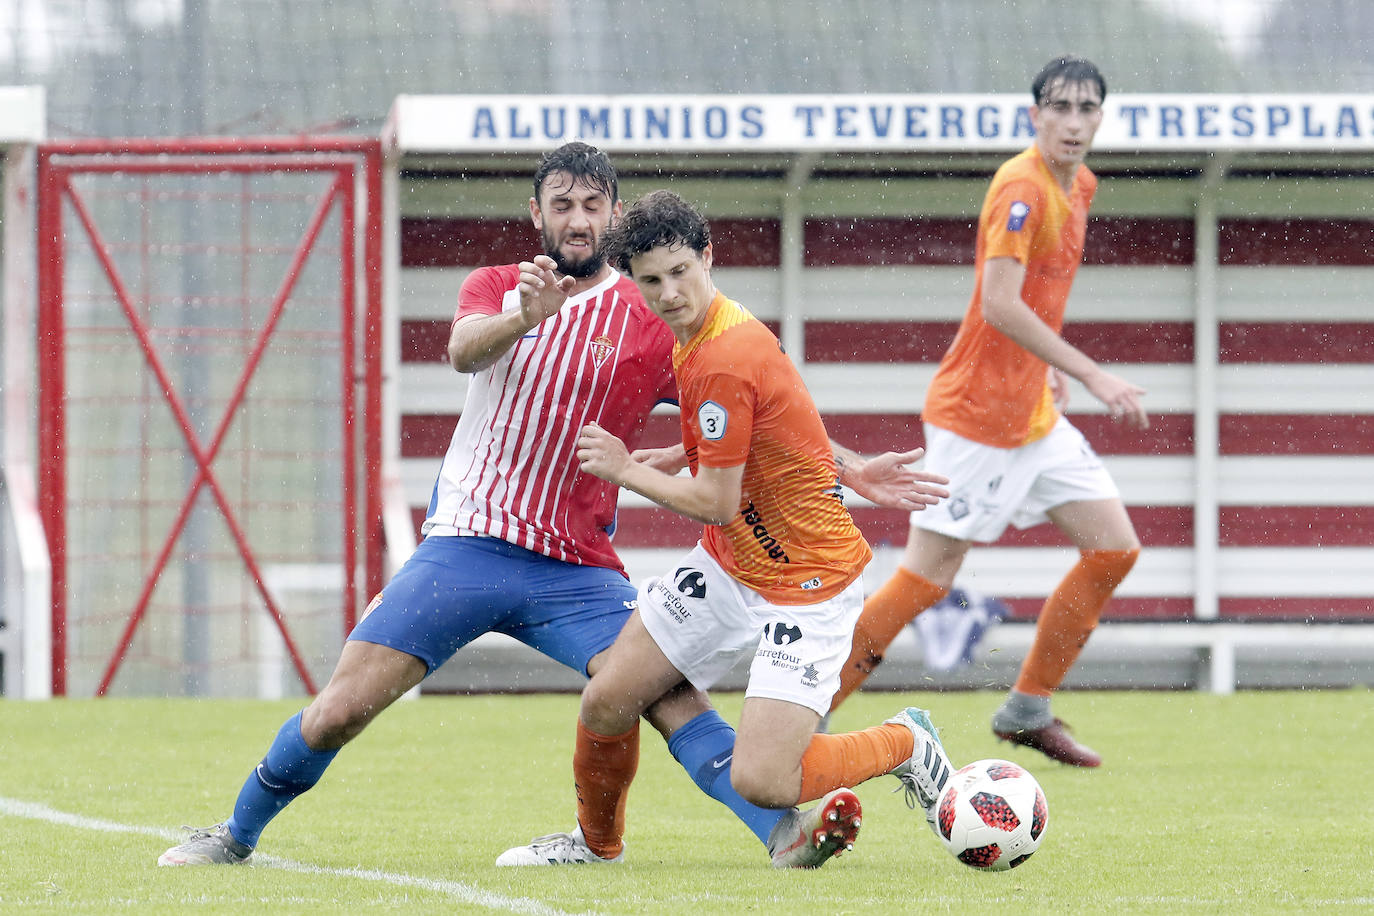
[(572, 216), (1066, 119), (675, 282)]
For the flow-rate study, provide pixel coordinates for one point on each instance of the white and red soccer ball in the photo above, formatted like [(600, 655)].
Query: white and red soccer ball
[(991, 815)]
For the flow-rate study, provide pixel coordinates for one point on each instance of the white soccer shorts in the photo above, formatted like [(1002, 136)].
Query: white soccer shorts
[(705, 622), (991, 488)]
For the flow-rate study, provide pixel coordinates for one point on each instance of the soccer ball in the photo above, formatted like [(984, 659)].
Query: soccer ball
[(991, 815)]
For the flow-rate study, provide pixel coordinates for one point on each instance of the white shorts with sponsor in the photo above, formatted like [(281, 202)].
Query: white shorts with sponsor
[(991, 488), (705, 621)]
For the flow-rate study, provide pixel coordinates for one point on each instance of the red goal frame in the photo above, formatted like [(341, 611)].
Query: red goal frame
[(354, 186)]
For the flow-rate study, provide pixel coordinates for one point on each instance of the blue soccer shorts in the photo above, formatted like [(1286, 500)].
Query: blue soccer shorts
[(454, 589)]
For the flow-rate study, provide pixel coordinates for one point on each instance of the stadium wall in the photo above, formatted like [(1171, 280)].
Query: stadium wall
[(1229, 285)]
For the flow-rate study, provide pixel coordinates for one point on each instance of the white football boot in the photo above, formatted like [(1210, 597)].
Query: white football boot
[(556, 849)]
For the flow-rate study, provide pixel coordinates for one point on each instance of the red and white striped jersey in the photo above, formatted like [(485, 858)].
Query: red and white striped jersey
[(511, 469)]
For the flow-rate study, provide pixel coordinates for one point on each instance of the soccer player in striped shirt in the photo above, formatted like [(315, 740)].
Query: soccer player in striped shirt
[(993, 419), (776, 575), (517, 540)]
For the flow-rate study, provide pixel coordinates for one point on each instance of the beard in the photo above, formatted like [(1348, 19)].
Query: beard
[(578, 270)]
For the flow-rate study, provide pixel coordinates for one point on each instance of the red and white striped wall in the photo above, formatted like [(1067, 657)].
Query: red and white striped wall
[(1242, 304)]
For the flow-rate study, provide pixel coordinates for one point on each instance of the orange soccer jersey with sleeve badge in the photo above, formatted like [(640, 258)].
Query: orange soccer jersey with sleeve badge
[(989, 388), (743, 402)]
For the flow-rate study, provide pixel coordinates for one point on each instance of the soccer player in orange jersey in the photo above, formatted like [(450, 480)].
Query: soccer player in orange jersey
[(776, 575), (993, 422)]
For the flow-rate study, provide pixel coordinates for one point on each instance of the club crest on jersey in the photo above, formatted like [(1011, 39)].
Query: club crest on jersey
[(602, 347), (372, 605), (1017, 218)]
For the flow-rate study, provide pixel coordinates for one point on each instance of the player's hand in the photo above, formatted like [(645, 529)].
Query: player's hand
[(542, 291), (602, 454), (1059, 389), (885, 480), (1121, 397), (669, 460)]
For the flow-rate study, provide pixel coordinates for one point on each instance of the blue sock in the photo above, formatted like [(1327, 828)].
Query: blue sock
[(289, 769), (704, 747)]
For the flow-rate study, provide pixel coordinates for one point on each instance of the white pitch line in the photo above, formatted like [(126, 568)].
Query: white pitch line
[(466, 893)]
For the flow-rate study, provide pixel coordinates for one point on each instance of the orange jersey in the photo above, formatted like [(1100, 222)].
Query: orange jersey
[(989, 388), (743, 402)]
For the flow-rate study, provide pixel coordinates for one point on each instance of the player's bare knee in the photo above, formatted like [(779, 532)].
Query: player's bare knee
[(600, 713), (761, 786)]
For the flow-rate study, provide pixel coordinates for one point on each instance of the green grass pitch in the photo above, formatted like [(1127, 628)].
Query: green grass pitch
[(1254, 803)]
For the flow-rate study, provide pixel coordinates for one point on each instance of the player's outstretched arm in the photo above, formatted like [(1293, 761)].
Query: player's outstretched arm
[(885, 479), (711, 496), (1003, 308), (478, 341)]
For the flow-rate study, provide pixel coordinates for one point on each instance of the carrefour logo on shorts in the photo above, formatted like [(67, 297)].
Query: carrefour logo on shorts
[(1019, 211), (712, 419)]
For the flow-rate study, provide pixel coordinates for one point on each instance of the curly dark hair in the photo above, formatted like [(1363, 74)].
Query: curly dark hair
[(1067, 69), (657, 218), (585, 163)]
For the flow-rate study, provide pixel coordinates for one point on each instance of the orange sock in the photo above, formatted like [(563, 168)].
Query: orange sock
[(1069, 617), (831, 761), (603, 768), (886, 611)]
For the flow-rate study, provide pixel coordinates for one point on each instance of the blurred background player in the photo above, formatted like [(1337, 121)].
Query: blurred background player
[(517, 541), (951, 629), (776, 574), (993, 420)]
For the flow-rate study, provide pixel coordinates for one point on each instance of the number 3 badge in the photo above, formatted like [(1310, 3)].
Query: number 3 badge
[(712, 419)]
